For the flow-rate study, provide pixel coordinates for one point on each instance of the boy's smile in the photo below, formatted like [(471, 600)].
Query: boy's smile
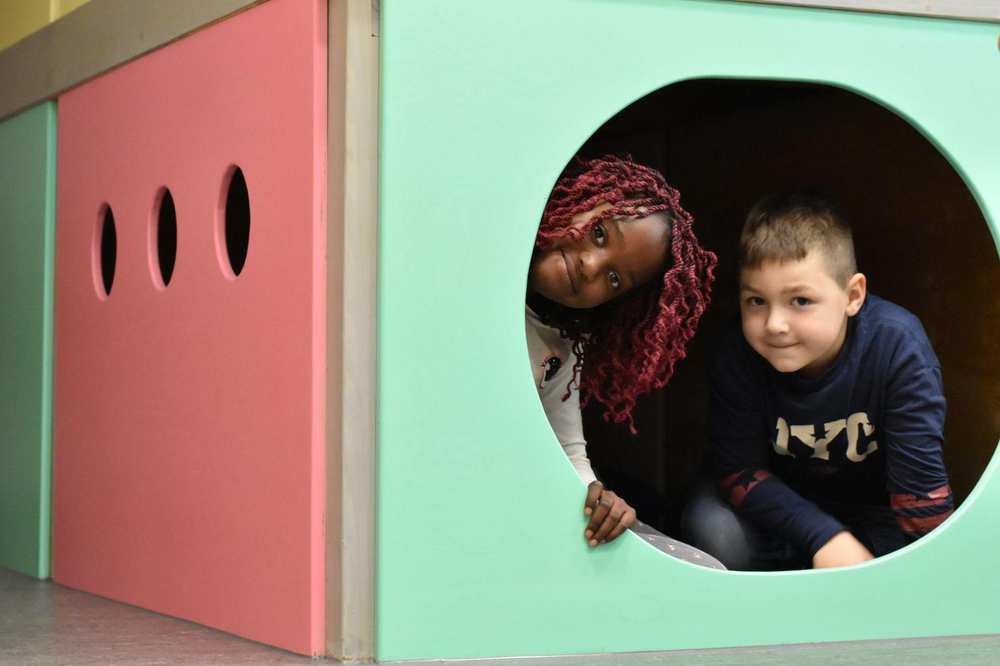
[(795, 314), (613, 258)]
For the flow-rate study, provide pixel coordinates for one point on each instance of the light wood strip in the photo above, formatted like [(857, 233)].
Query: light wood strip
[(352, 250), (982, 10), (95, 38)]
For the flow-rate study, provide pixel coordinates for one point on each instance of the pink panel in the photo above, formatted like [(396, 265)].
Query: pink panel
[(189, 428)]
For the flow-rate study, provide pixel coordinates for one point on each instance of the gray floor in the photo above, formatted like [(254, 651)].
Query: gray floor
[(45, 624)]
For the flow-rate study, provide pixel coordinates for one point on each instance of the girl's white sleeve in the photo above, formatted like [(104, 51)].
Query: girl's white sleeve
[(566, 422), (552, 362)]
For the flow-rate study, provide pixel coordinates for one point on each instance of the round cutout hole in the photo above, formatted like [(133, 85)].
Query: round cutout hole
[(107, 250), (166, 237), (724, 143), (237, 221)]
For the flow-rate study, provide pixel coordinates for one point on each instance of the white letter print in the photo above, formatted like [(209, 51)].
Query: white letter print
[(781, 441), (853, 421), (806, 435)]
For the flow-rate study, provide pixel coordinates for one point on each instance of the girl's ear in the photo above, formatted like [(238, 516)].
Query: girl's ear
[(857, 289)]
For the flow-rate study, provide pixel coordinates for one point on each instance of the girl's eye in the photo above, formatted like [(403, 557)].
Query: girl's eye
[(801, 301), (600, 235), (755, 301), (614, 280)]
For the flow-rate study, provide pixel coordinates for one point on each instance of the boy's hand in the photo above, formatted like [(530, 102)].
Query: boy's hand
[(842, 550), (609, 515)]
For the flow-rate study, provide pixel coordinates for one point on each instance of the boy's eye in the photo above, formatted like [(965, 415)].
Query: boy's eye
[(614, 280), (801, 301), (600, 235)]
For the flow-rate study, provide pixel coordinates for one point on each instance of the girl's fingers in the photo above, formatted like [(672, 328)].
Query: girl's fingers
[(609, 524), (593, 493), (628, 519), (613, 515), (597, 519)]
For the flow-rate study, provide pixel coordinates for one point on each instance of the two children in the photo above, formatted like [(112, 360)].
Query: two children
[(827, 409)]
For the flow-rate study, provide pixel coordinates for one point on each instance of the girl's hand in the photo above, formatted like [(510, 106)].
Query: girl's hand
[(609, 515)]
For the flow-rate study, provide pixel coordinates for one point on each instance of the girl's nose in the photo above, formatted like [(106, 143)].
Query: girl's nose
[(590, 263)]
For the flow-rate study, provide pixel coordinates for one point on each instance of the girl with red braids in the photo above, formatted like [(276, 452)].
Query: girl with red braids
[(616, 286)]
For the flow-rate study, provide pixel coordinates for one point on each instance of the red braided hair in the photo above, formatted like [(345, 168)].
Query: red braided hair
[(631, 344)]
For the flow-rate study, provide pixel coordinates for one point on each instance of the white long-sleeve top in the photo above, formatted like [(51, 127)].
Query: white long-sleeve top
[(552, 360)]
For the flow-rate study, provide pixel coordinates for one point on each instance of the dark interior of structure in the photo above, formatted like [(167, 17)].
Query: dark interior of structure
[(921, 240)]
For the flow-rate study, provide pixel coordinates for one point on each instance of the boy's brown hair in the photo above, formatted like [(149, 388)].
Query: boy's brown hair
[(786, 227)]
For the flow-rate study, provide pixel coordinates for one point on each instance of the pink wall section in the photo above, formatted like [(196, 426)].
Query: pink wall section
[(189, 422)]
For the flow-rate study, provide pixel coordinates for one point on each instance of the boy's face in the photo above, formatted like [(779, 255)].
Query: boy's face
[(795, 314), (616, 256)]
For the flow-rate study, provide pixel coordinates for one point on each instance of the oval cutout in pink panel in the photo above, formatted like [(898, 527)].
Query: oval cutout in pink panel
[(189, 419), (163, 239), (105, 252), (233, 236)]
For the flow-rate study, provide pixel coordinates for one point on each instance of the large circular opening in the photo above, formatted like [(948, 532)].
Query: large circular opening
[(920, 238)]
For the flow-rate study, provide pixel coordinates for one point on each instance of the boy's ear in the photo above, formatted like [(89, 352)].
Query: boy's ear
[(857, 289)]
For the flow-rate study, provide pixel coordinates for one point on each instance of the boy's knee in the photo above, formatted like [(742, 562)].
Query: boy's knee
[(708, 523)]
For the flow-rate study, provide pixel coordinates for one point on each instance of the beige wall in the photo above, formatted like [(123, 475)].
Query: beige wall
[(62, 7), (20, 18)]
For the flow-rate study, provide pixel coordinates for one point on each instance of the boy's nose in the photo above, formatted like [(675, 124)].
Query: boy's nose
[(776, 322)]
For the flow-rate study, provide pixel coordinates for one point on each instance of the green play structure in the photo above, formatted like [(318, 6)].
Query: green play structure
[(448, 527), (483, 104), (27, 214)]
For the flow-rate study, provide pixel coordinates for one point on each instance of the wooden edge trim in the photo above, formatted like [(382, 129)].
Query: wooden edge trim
[(352, 143), (94, 39), (975, 10)]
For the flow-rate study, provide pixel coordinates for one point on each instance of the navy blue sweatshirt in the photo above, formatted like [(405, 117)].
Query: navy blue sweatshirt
[(798, 456)]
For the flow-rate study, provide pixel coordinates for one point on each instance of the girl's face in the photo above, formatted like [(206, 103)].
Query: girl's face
[(615, 257)]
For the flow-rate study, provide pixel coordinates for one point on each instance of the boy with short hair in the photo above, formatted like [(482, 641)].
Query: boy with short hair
[(827, 410)]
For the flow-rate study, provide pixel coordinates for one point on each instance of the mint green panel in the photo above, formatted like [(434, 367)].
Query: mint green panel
[(27, 175), (483, 104)]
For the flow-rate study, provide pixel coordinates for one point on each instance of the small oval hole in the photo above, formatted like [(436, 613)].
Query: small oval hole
[(166, 237), (237, 228), (108, 250)]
